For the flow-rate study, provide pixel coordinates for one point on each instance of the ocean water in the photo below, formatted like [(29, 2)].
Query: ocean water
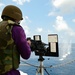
[(62, 65)]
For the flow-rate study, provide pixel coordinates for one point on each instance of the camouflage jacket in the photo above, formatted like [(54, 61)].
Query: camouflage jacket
[(9, 55)]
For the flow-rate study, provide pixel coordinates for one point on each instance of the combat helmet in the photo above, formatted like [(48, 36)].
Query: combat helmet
[(13, 12)]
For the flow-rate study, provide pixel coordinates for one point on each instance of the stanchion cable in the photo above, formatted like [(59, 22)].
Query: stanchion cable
[(51, 66)]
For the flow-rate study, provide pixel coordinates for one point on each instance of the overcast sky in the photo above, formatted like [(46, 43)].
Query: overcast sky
[(43, 17)]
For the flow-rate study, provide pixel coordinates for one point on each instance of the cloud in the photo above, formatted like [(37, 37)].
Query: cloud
[(21, 2), (58, 3), (24, 24), (39, 30), (61, 25), (51, 13), (1, 8), (73, 20), (1, 4), (62, 7), (27, 19), (65, 6)]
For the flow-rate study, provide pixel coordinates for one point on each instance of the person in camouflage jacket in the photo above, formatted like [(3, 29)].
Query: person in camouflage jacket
[(13, 42)]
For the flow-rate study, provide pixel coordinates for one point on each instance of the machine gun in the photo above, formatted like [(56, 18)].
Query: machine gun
[(38, 47), (42, 49)]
